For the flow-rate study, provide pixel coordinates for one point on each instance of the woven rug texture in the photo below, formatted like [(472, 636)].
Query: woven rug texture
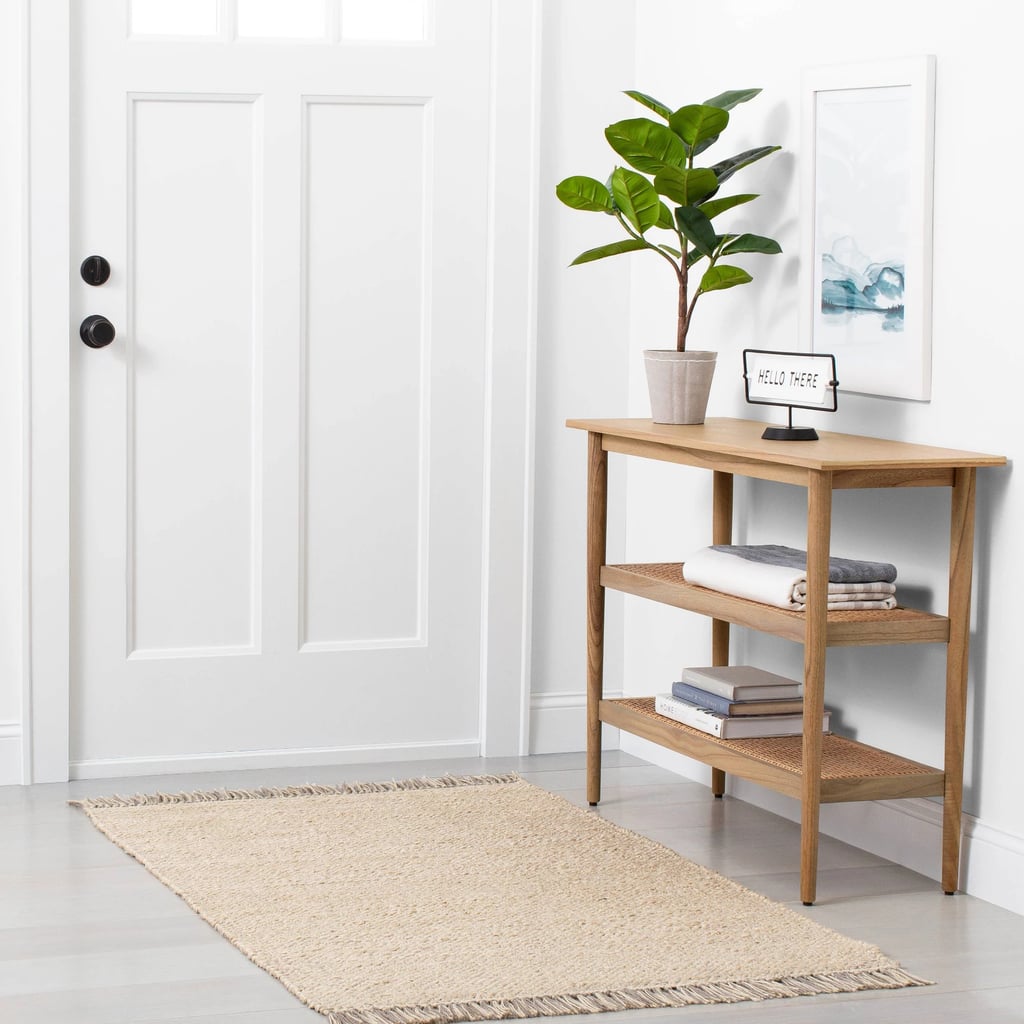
[(472, 898)]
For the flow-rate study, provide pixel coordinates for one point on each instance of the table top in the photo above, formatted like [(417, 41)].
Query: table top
[(832, 451)]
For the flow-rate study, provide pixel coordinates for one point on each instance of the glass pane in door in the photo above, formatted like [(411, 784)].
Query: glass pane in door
[(385, 21), (180, 18), (275, 19)]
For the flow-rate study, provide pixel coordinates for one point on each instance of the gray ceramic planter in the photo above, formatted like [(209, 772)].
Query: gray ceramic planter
[(679, 384)]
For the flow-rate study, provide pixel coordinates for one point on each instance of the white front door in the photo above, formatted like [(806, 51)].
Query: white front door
[(278, 462)]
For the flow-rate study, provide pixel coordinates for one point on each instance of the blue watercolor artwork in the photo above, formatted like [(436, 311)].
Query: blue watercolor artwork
[(853, 285)]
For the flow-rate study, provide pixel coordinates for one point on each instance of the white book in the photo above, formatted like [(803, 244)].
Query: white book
[(742, 682), (729, 728)]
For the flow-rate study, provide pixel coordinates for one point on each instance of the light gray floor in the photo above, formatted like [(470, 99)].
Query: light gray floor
[(87, 936)]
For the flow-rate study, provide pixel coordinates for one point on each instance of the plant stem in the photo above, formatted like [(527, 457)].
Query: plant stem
[(628, 228), (683, 317)]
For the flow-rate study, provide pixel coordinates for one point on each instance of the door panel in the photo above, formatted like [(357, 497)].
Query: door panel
[(368, 357), (193, 412), (278, 464)]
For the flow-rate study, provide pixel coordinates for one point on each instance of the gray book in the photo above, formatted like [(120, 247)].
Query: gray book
[(742, 682)]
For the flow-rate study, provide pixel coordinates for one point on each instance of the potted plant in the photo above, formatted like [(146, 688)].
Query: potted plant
[(661, 156)]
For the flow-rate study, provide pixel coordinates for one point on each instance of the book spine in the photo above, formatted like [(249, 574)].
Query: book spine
[(702, 698), (713, 686), (761, 727), (680, 711)]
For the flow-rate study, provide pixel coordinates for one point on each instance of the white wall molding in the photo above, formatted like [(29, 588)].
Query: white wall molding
[(992, 864), (14, 398), (558, 723), (10, 753), (240, 760), (512, 248), (906, 832), (49, 379)]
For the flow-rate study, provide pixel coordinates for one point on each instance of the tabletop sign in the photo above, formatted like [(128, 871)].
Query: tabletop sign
[(794, 379)]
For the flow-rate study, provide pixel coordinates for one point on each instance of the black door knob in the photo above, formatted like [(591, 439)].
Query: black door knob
[(97, 331), (95, 270)]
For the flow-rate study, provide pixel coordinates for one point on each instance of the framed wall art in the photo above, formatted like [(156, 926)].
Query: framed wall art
[(867, 134)]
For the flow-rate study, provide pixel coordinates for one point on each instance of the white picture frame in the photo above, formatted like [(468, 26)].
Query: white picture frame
[(866, 212)]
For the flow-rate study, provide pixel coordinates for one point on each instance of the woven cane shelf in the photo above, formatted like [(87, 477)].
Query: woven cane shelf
[(663, 582), (849, 770)]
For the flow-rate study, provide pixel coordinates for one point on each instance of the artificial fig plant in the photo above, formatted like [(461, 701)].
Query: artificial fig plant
[(661, 167)]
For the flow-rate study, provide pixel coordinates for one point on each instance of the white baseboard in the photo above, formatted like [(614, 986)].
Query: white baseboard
[(10, 754), (993, 865), (906, 832), (131, 767), (558, 723)]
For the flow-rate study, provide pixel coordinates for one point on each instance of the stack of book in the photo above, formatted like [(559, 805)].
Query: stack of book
[(731, 701)]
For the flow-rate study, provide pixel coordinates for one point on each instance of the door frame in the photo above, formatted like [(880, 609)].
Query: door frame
[(510, 344)]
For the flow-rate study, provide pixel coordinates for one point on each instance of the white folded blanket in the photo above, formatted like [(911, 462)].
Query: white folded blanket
[(779, 585)]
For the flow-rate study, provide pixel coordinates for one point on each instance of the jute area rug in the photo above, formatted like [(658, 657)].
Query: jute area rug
[(472, 898)]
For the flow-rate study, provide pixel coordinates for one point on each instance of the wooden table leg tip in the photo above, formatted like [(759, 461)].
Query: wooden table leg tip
[(593, 803), (808, 903), (949, 892)]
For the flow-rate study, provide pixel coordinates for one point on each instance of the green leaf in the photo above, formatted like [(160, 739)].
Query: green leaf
[(696, 123), (685, 187), (725, 100), (697, 229), (645, 144), (728, 100), (650, 103), (665, 219), (727, 168), (612, 249), (583, 193), (672, 252), (713, 207), (751, 243), (716, 279), (635, 197)]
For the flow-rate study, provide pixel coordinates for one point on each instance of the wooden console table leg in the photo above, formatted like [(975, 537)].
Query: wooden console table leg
[(597, 531), (961, 557), (819, 528), (721, 533)]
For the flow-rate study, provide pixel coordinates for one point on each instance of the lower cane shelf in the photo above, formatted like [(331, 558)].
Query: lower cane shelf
[(849, 770)]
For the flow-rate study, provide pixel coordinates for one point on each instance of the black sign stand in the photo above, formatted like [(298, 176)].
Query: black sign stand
[(790, 433)]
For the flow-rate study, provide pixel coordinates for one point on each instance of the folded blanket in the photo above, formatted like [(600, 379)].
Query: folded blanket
[(783, 586), (852, 591), (840, 570)]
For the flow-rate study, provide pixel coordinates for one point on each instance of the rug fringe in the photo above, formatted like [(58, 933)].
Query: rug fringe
[(632, 999), (312, 789)]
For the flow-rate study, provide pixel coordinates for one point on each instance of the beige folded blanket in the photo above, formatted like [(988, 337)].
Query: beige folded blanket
[(851, 596)]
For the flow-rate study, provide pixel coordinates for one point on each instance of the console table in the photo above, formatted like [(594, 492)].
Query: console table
[(813, 768)]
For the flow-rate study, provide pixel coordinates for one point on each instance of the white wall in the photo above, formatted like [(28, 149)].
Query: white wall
[(582, 353)]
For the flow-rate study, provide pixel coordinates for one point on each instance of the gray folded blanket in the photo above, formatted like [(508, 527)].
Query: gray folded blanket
[(840, 570)]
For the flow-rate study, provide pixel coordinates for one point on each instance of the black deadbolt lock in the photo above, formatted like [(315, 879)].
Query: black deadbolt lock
[(95, 270), (96, 331)]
